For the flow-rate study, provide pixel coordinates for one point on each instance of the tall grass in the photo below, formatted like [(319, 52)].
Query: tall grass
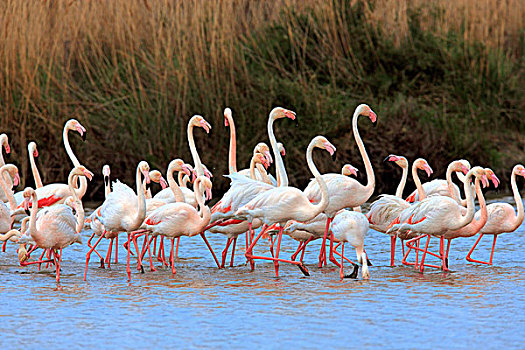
[(444, 78)]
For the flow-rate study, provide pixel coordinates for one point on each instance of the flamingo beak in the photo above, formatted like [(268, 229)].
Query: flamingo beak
[(146, 176), (268, 157), (484, 181), (354, 171), (88, 174), (186, 170), (226, 121), (283, 152), (163, 183), (428, 169), (289, 114), (522, 172), (16, 180), (274, 227), (373, 117), (106, 180), (194, 173), (264, 162), (208, 194), (208, 173), (206, 126), (464, 169), (330, 148), (26, 204), (7, 148), (35, 153), (82, 131), (391, 158), (495, 180)]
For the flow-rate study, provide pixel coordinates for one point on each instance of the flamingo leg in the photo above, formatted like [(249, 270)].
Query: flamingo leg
[(392, 249), (233, 251), (225, 251), (299, 247), (4, 245), (341, 272), (128, 270), (108, 255), (155, 246), (304, 248), (41, 257), (88, 255), (177, 250), (116, 250), (443, 254), (422, 266), (332, 257), (139, 262), (418, 249), (276, 263), (172, 259), (151, 267), (492, 251), (89, 245), (448, 250), (271, 245), (161, 246), (211, 250), (342, 256), (322, 254)]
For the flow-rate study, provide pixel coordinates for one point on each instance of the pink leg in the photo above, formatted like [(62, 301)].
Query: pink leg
[(172, 259), (211, 250), (152, 268), (139, 262), (233, 250), (276, 263), (422, 266), (177, 250), (88, 255), (116, 250), (108, 255), (128, 270), (332, 257), (492, 251), (89, 245), (341, 272), (392, 249), (342, 256), (299, 247), (443, 254), (225, 251), (322, 254), (304, 248), (271, 245)]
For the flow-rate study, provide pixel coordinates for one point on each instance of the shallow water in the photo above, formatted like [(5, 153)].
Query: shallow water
[(201, 306)]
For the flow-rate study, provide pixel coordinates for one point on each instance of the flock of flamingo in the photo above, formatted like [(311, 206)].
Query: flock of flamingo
[(52, 216)]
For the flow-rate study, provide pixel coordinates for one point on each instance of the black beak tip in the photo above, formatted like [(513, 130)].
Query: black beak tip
[(148, 186), (368, 262), (334, 156), (386, 159), (374, 123), (28, 212), (84, 136), (106, 180)]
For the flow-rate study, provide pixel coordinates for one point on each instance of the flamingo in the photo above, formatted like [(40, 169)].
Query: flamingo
[(445, 187), (5, 211), (387, 208), (501, 216), (4, 145), (176, 219), (280, 204), (260, 172), (56, 227), (233, 230), (344, 191), (124, 211), (174, 192), (156, 176), (56, 193), (352, 227), (438, 215)]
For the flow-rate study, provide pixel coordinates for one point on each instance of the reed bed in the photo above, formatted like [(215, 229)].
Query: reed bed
[(444, 77)]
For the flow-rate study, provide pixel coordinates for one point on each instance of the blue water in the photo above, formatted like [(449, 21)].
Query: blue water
[(201, 306)]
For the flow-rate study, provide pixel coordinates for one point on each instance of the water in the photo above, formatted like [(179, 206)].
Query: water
[(201, 306)]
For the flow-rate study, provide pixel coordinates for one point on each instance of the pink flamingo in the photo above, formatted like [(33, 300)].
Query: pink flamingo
[(176, 219), (33, 153), (501, 216), (438, 215), (56, 193), (5, 211), (56, 227), (343, 191), (123, 211), (387, 208), (4, 145), (445, 187), (280, 204)]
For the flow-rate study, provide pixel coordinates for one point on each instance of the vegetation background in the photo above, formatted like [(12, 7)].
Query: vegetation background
[(444, 77)]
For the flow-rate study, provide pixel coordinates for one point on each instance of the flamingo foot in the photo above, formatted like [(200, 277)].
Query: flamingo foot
[(303, 269), (102, 266), (353, 275)]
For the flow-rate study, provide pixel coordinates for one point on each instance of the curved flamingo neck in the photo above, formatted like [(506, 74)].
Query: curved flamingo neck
[(34, 170), (264, 175), (252, 169), (141, 202), (8, 191), (107, 188), (174, 187), (282, 177), (469, 215), (83, 181), (402, 183), (232, 156), (476, 225), (180, 179), (8, 235), (32, 218), (196, 159), (420, 191), (323, 203), (78, 203), (517, 198), (370, 178), (204, 210), (450, 184)]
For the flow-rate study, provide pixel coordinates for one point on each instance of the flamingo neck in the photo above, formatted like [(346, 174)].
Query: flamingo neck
[(370, 178), (141, 198), (83, 181), (174, 187), (180, 179), (517, 198), (252, 169), (232, 157), (107, 188), (282, 177), (476, 225), (402, 183), (264, 175), (8, 191), (8, 235), (450, 185), (465, 220), (34, 170), (196, 159), (420, 191), (32, 218), (323, 203), (78, 203), (204, 210)]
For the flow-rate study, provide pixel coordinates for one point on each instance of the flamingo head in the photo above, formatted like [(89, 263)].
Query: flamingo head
[(144, 169), (227, 115), (22, 253), (106, 172), (519, 170), (73, 124), (4, 141), (349, 170), (187, 169), (198, 120), (492, 177), (82, 171), (27, 194), (399, 160), (260, 158), (156, 176), (280, 112), (263, 148), (204, 181), (207, 173), (281, 149), (31, 147), (13, 171), (194, 175), (364, 109), (422, 164), (322, 142)]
